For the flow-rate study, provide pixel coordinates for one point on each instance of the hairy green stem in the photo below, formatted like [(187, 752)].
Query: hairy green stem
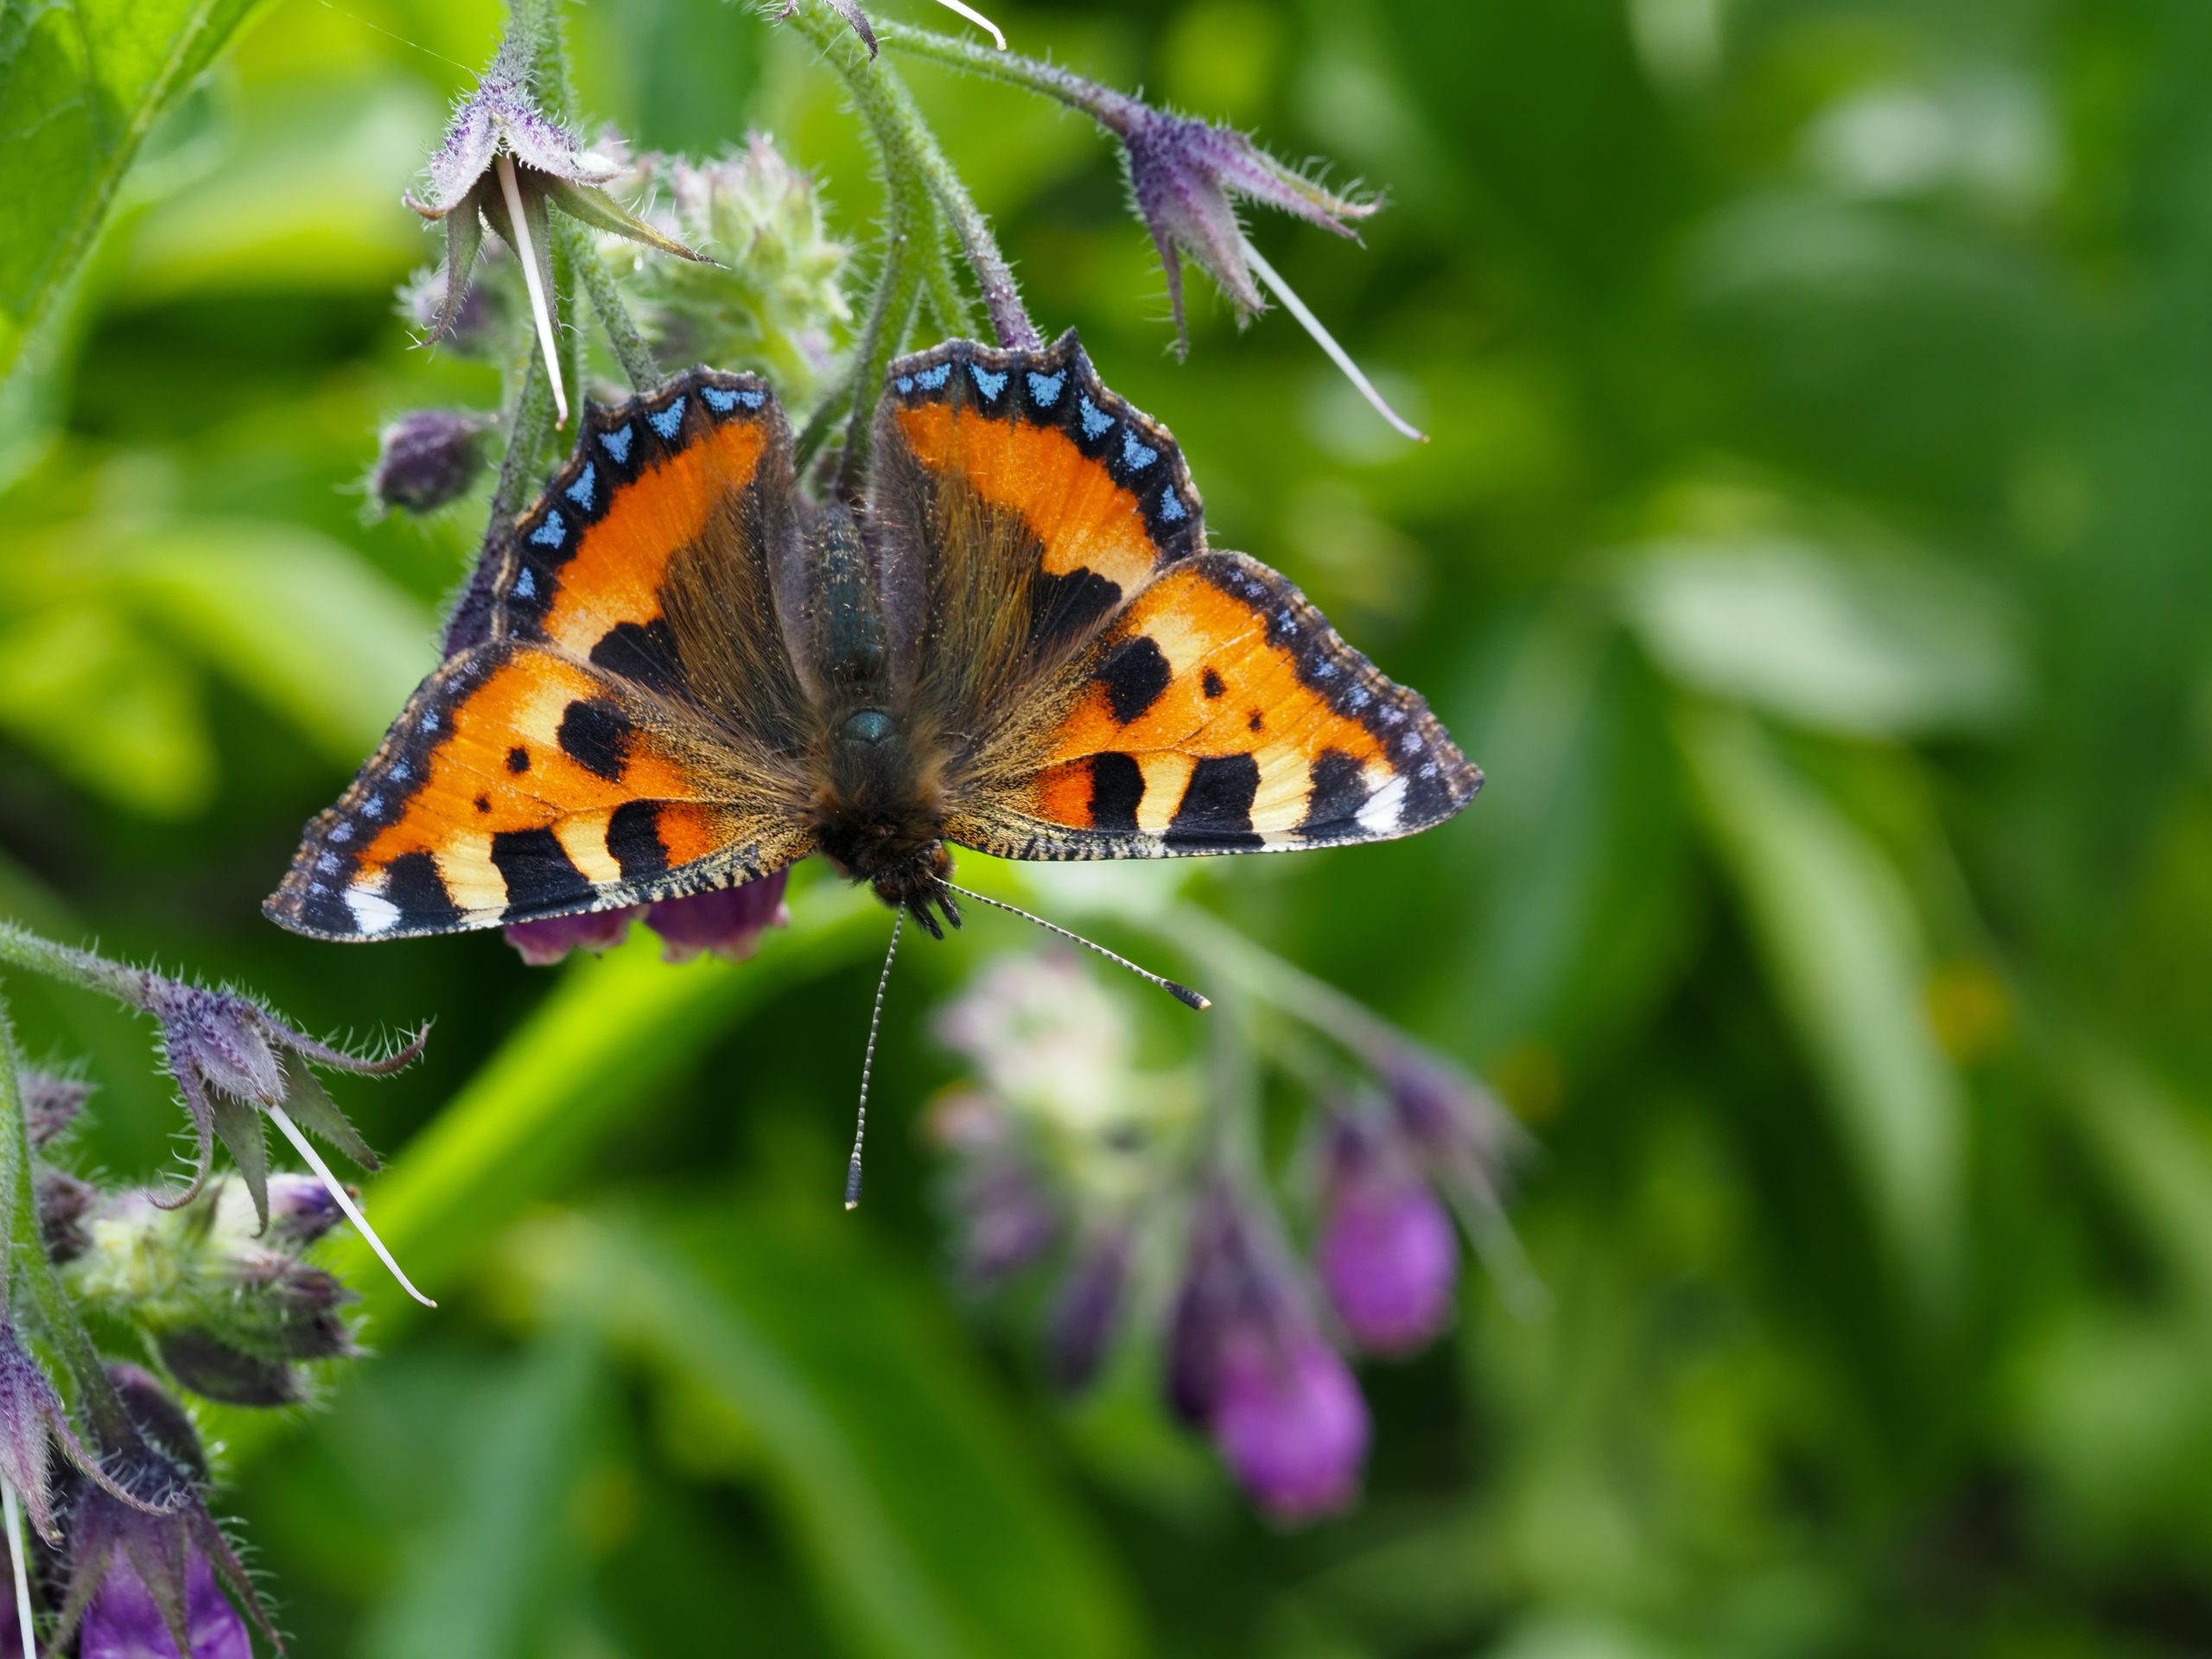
[(530, 423), (912, 154), (24, 1255), (1104, 104), (630, 348), (20, 948)]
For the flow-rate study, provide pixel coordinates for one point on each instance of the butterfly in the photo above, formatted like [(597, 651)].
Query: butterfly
[(674, 673)]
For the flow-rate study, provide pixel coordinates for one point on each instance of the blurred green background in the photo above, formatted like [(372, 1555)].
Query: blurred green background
[(1812, 549)]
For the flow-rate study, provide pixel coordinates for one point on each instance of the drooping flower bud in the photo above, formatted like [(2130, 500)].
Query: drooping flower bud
[(234, 1063), (544, 943), (144, 1585), (1387, 1254), (1449, 1118), (1248, 1360), (727, 924), (51, 1104), (479, 328), (64, 1201), (1087, 1313), (504, 163), (427, 459)]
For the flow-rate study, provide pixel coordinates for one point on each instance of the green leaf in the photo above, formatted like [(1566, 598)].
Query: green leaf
[(81, 82), (107, 708), (1846, 963), (1868, 648), (928, 1527), (477, 1585)]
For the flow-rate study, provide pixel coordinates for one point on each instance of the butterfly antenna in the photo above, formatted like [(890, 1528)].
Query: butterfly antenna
[(867, 1063), (1183, 994)]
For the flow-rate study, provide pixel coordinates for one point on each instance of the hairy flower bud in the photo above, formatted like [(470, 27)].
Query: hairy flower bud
[(1087, 1313), (427, 459), (51, 1104)]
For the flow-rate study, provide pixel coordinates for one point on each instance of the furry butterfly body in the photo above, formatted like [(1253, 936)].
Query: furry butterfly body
[(673, 673)]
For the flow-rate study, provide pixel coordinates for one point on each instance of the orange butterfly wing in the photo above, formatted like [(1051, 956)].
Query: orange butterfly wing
[(1106, 686), (564, 758)]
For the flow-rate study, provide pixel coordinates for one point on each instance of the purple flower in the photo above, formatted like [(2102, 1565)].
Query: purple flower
[(64, 1201), (504, 163), (126, 1621), (544, 943), (1387, 1254), (727, 924), (1247, 1359), (1291, 1422), (1005, 1215), (1448, 1118), (141, 1584), (1087, 1313), (428, 458)]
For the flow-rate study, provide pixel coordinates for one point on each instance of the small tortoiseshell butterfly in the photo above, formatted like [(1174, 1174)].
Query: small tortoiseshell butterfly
[(674, 673)]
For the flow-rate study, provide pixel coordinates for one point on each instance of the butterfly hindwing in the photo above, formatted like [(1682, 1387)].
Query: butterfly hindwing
[(1221, 714), (574, 752)]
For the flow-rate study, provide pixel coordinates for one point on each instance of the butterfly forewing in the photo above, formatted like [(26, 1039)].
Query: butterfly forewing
[(610, 723)]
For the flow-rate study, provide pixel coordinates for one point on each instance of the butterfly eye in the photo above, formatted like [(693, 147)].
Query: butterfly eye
[(871, 727)]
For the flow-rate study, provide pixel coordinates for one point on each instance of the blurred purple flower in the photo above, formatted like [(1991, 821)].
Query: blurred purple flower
[(727, 924), (51, 1104), (426, 459), (1387, 1254), (1088, 1312), (1291, 1422), (125, 1620), (1005, 1215), (1248, 1360), (543, 943)]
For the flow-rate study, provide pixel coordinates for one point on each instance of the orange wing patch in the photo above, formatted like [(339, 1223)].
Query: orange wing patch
[(1221, 714)]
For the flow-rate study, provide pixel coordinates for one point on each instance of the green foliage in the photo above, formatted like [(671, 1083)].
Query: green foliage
[(1811, 551)]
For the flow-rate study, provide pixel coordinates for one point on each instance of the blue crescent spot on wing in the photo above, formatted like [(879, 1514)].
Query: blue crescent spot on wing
[(581, 491), (1171, 507), (550, 533), (526, 585), (933, 379), (990, 385), (670, 421), (617, 444), (1044, 389), (1138, 456), (1096, 422)]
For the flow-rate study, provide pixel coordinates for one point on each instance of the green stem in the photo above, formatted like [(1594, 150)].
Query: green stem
[(1104, 105), (20, 948), (530, 423), (1290, 987), (23, 1252), (949, 307), (911, 153), (630, 348), (815, 433)]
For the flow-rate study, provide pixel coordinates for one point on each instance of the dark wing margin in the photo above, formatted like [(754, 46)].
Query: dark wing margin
[(613, 720)]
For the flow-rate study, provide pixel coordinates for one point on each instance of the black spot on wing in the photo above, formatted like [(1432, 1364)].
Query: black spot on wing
[(1216, 806), (644, 654), (633, 840), (1116, 791), (541, 878), (1134, 675), (1213, 684), (1339, 791), (412, 883), (517, 760), (595, 734)]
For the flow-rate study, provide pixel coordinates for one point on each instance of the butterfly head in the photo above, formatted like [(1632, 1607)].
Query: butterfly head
[(881, 817)]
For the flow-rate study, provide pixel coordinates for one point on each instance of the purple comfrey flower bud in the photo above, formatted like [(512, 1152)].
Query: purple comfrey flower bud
[(426, 459), (544, 943), (727, 924), (64, 1201), (32, 1425), (141, 1584), (479, 328), (1386, 1255), (1448, 1117), (1087, 1312), (235, 1062), (1291, 1423), (504, 163), (1248, 1360), (51, 1104), (300, 1210)]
